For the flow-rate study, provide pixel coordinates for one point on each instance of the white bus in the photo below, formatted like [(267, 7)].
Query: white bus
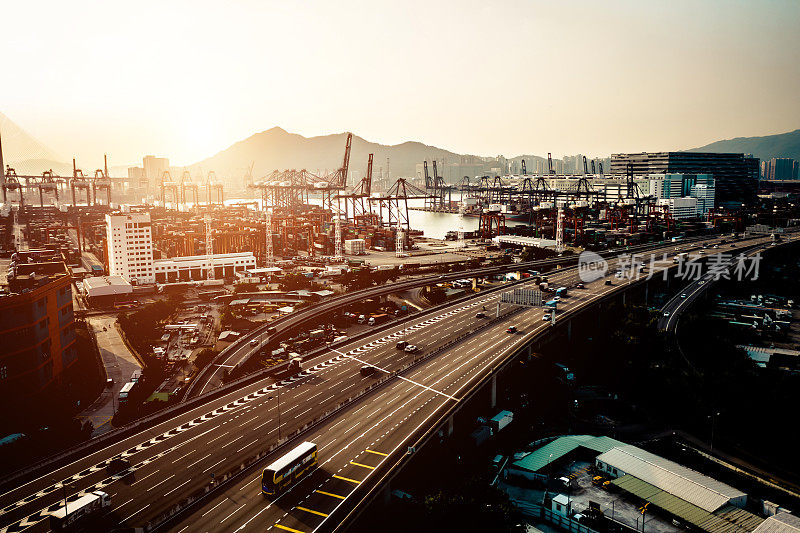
[(125, 391)]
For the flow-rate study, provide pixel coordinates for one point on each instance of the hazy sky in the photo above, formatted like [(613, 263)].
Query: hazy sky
[(187, 79)]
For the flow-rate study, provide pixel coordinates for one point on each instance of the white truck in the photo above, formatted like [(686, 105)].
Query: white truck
[(79, 511)]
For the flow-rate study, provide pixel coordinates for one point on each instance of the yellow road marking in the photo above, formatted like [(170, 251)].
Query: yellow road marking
[(312, 511), (347, 479), (364, 466), (330, 494), (289, 529), (377, 453)]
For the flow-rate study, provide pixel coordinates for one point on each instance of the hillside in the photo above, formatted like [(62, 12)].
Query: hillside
[(767, 147), (276, 149), (25, 153)]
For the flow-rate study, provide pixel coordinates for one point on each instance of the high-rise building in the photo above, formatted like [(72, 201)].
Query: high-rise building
[(135, 174), (154, 167), (129, 242), (779, 168), (735, 175), (37, 329), (704, 194)]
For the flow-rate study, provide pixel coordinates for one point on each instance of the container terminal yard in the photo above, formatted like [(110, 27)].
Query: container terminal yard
[(191, 302)]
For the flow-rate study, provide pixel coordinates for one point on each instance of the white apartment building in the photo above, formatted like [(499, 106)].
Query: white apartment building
[(129, 241)]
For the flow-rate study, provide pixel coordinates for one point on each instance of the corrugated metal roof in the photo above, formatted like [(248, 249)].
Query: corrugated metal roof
[(560, 447), (780, 523), (730, 520), (685, 483)]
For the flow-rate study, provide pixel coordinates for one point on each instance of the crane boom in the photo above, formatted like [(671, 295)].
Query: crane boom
[(368, 181)]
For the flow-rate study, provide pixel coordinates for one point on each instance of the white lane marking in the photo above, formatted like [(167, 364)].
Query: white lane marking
[(145, 477), (160, 482), (400, 377), (215, 464), (137, 512), (176, 488), (220, 503), (230, 515), (194, 463)]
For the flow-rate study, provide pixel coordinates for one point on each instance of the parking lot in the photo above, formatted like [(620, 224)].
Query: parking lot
[(619, 506)]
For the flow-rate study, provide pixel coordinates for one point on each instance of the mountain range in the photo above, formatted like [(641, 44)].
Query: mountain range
[(26, 154), (277, 149), (766, 147)]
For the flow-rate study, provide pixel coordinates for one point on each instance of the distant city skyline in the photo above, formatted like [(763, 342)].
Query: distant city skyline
[(185, 80)]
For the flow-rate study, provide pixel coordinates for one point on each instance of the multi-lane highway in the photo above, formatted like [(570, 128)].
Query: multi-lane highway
[(672, 310), (177, 458), (211, 376)]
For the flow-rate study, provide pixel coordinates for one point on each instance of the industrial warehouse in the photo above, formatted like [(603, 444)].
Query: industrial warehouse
[(599, 474)]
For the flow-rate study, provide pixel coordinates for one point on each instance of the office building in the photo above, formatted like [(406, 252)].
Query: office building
[(129, 243), (135, 175), (37, 329), (154, 167), (780, 168), (735, 175), (681, 208), (705, 196)]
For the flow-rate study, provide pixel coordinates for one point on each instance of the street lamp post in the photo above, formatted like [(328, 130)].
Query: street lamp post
[(713, 418), (66, 510)]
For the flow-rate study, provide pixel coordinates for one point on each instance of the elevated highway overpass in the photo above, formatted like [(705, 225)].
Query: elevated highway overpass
[(361, 425), (236, 354)]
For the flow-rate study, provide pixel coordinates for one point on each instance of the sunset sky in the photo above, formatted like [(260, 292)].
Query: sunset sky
[(187, 79)]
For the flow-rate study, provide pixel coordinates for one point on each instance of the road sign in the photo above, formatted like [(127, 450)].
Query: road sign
[(524, 297)]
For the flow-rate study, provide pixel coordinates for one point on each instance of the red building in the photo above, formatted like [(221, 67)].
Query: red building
[(37, 332)]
